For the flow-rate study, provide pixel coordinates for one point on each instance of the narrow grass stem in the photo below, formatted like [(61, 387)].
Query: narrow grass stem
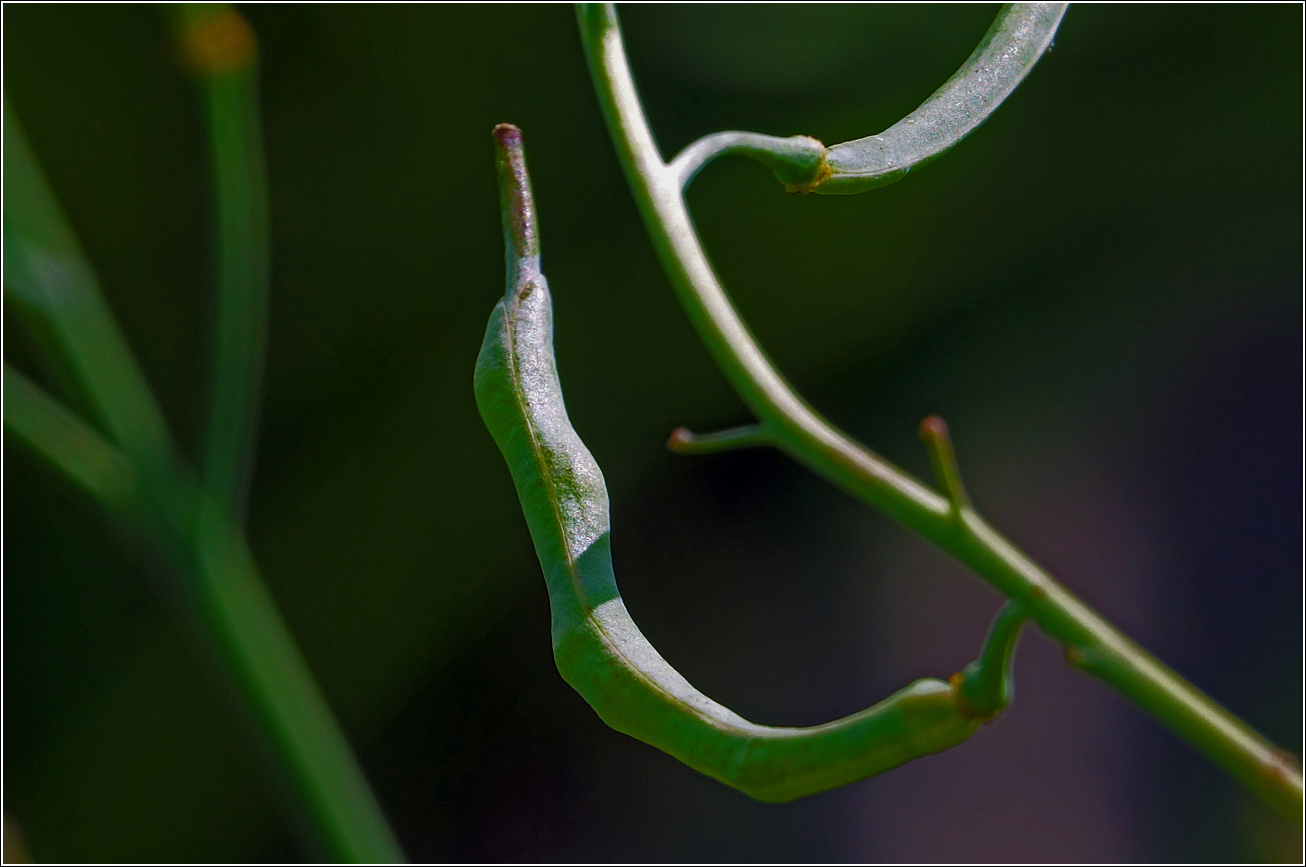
[(239, 620), (47, 276), (222, 51), (1091, 643), (261, 655), (134, 473), (67, 443)]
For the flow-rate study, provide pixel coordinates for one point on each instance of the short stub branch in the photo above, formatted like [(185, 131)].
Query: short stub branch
[(685, 442), (985, 686), (934, 433)]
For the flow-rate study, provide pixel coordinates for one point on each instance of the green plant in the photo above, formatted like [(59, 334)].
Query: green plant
[(402, 597), (561, 489)]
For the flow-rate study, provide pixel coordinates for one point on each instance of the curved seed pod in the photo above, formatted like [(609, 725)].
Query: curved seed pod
[(1019, 36), (597, 647)]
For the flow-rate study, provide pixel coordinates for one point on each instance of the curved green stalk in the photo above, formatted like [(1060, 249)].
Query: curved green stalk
[(986, 684), (222, 51), (1091, 643), (1019, 36), (135, 474)]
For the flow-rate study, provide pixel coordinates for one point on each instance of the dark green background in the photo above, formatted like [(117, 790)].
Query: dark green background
[(1100, 289)]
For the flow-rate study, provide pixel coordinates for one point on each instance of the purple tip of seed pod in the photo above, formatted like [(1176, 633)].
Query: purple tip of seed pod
[(515, 191), (507, 135), (933, 428)]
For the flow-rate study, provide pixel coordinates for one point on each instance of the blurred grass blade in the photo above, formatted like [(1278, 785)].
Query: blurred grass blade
[(46, 272), (221, 49), (260, 652), (242, 621), (66, 441)]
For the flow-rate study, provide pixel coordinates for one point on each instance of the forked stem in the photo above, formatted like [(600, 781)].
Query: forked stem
[(1099, 647), (934, 433), (132, 469)]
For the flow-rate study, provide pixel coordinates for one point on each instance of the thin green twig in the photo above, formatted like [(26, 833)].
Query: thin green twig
[(65, 441), (222, 51), (685, 442), (243, 622), (986, 684), (46, 274), (1091, 643)]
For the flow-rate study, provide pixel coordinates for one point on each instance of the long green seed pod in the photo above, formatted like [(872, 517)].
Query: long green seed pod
[(598, 648), (1020, 35)]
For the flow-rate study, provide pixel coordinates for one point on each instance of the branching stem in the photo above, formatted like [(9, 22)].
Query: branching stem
[(1092, 644), (131, 467)]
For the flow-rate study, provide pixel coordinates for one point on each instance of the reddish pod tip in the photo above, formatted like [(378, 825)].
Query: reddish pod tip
[(507, 134), (933, 428), (680, 437), (515, 197)]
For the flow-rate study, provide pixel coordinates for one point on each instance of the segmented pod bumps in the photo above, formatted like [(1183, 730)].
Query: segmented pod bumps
[(598, 648)]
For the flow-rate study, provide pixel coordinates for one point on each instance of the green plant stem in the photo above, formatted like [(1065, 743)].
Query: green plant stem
[(240, 193), (986, 684), (1091, 643), (141, 480), (243, 622), (46, 274), (259, 650), (685, 442), (66, 442), (934, 434)]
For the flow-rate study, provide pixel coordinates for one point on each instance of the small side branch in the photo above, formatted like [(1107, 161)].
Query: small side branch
[(985, 687), (797, 161), (934, 433), (685, 442)]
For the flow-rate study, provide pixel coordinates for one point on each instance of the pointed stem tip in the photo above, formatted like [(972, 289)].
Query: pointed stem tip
[(515, 197), (934, 433), (216, 40), (685, 442), (933, 427), (984, 687)]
